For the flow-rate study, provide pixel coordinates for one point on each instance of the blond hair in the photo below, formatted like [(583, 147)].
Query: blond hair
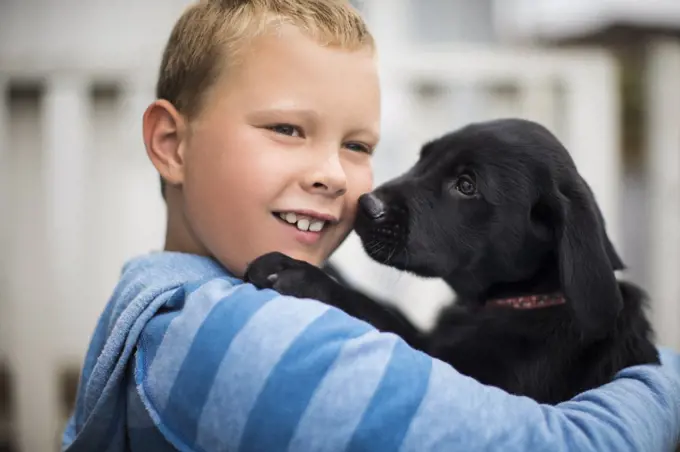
[(206, 38)]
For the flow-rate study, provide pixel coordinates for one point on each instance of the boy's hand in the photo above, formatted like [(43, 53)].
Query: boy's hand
[(292, 277)]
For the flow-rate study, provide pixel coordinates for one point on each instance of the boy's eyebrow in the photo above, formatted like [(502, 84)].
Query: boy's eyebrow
[(369, 134), (278, 111)]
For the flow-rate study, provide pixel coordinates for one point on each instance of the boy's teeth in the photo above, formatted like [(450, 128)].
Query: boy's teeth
[(303, 224), (316, 226)]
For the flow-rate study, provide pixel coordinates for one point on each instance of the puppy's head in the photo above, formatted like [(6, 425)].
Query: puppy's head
[(496, 203)]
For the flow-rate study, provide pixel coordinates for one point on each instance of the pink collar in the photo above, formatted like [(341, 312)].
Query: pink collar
[(529, 301)]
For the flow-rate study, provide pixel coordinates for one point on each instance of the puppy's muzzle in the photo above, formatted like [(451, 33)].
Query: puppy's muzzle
[(373, 207), (382, 225)]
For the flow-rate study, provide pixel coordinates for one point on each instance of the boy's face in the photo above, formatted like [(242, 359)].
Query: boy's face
[(281, 152)]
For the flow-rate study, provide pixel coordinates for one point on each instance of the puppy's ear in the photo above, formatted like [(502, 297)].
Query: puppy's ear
[(614, 259), (585, 258)]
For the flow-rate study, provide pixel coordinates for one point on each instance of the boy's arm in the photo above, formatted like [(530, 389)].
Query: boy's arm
[(239, 368)]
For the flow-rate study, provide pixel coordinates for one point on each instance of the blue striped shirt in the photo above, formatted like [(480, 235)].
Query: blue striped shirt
[(186, 357)]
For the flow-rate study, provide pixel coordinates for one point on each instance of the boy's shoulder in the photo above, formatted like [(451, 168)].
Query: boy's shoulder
[(170, 269), (155, 275), (148, 284)]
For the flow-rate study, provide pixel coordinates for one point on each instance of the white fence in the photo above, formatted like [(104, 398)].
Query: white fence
[(663, 214), (78, 199)]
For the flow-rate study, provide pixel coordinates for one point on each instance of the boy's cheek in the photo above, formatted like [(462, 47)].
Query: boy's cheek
[(340, 236), (362, 181)]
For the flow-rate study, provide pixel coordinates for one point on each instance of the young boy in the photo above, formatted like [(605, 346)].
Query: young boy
[(267, 115)]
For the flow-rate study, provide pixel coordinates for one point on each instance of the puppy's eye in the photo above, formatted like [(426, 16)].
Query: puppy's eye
[(465, 185)]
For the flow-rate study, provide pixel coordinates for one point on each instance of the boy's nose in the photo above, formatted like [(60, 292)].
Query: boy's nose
[(328, 178)]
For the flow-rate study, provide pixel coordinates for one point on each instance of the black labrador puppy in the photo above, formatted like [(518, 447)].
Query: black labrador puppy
[(499, 211)]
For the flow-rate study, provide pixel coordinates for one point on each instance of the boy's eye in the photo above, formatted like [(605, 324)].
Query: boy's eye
[(359, 147), (286, 129)]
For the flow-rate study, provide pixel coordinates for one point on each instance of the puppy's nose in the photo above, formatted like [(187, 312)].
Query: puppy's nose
[(372, 206)]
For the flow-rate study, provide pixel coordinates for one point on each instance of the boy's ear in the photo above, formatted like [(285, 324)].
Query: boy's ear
[(164, 130)]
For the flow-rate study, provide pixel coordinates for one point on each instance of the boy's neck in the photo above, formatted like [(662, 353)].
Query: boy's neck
[(178, 235)]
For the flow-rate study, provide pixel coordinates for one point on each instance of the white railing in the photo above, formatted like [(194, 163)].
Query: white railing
[(663, 157), (79, 197)]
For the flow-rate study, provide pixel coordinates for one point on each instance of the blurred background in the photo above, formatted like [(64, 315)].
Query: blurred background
[(78, 196)]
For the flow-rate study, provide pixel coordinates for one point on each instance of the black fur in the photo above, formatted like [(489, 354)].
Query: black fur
[(496, 209)]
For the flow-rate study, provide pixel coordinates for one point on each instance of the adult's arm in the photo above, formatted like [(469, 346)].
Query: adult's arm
[(237, 368)]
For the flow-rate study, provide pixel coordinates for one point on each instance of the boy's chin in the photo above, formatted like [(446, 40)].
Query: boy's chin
[(314, 255)]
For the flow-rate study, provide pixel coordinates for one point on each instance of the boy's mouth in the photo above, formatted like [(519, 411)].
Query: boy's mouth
[(302, 222)]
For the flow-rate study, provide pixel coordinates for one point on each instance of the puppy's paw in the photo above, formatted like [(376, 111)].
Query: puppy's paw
[(289, 276), (264, 270)]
